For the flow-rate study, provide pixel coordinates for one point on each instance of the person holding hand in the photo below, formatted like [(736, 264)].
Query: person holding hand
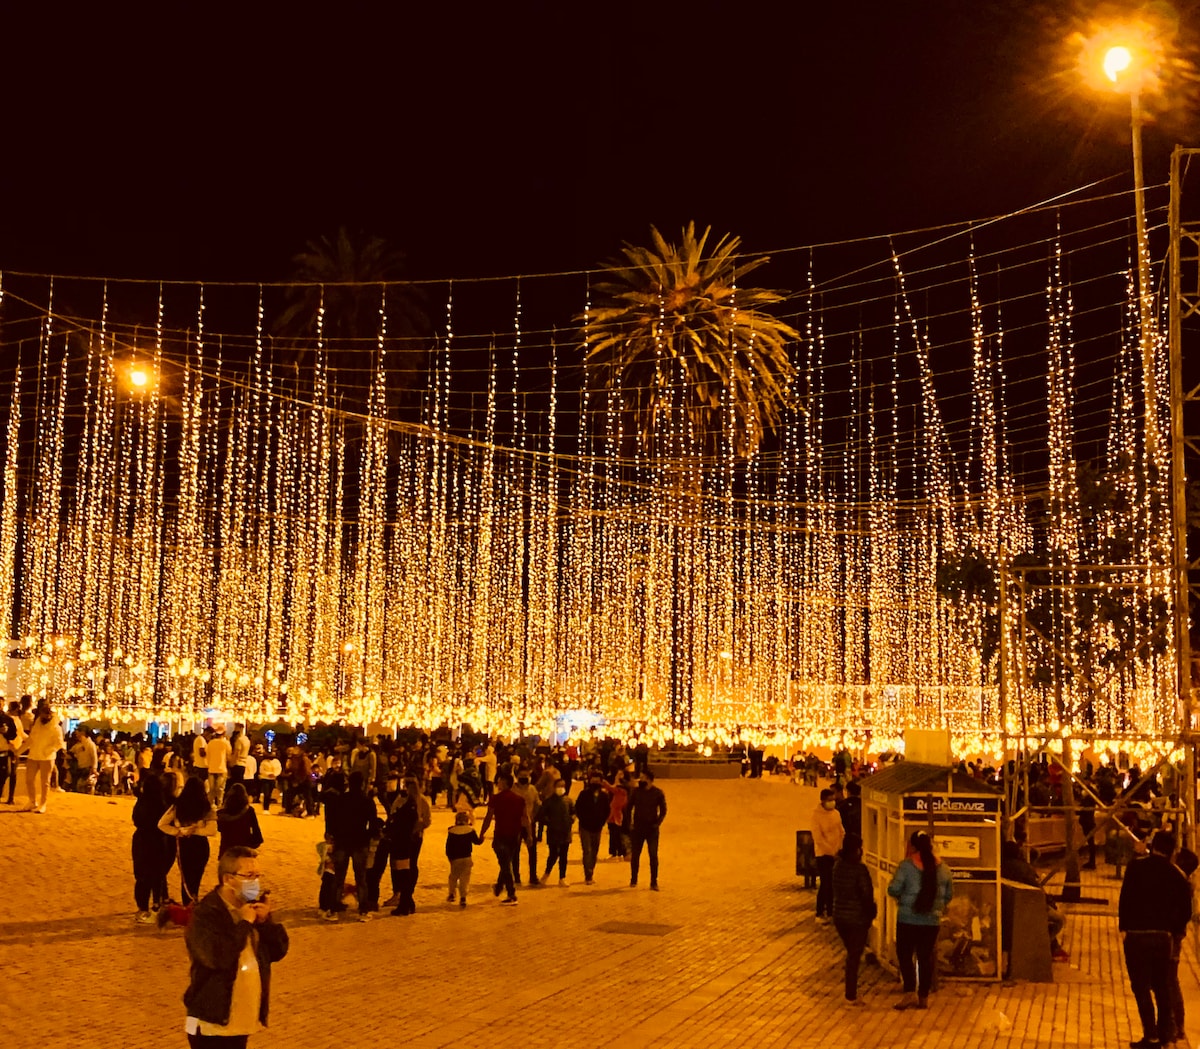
[(232, 942)]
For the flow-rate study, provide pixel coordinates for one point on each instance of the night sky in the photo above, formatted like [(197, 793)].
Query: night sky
[(210, 141)]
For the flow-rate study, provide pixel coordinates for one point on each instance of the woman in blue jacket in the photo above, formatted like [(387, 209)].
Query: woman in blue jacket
[(922, 886)]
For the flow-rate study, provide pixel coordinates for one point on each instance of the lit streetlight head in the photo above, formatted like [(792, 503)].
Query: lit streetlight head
[(1116, 61)]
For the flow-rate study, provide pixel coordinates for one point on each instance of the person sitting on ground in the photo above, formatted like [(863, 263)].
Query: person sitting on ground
[(1014, 867)]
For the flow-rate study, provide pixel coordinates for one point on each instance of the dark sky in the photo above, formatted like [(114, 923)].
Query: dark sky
[(208, 141)]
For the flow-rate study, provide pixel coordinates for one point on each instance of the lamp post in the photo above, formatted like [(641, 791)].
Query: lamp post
[(1122, 71)]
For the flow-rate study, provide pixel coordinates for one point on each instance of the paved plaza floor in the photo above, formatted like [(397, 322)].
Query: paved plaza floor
[(727, 954)]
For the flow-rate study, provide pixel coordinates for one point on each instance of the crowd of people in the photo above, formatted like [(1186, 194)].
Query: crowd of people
[(375, 799)]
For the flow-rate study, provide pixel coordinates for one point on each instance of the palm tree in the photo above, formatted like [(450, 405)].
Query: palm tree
[(347, 274), (684, 342)]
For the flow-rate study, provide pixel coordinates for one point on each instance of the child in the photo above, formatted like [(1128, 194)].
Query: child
[(460, 841)]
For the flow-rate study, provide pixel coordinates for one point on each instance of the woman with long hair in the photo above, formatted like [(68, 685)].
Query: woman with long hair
[(191, 822), (149, 855), (236, 821), (922, 887)]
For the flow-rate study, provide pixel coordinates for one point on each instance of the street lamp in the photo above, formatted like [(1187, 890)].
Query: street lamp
[(1129, 57)]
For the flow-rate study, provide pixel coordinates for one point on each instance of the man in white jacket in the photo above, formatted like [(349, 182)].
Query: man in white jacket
[(44, 743)]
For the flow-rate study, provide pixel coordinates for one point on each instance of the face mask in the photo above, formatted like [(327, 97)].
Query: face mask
[(560, 790), (829, 804), (250, 890), (643, 783), (523, 781)]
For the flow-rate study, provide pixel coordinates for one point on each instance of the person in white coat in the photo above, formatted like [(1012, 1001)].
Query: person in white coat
[(44, 742)]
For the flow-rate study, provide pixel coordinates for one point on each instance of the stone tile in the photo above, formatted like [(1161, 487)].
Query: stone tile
[(741, 961)]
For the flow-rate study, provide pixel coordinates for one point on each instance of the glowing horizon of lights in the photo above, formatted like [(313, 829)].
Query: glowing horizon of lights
[(232, 536)]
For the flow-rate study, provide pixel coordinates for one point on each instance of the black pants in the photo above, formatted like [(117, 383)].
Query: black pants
[(148, 878), (218, 1041), (237, 774), (268, 788), (8, 773), (854, 937), (649, 838), (914, 955), (1148, 962), (558, 854), (193, 858), (506, 850), (825, 886)]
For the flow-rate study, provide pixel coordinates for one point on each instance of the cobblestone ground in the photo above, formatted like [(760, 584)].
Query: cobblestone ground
[(727, 954)]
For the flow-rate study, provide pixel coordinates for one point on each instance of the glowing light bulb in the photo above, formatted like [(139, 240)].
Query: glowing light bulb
[(1116, 61)]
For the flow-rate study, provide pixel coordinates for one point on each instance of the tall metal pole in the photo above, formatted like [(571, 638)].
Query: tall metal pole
[(1179, 527), (1145, 308)]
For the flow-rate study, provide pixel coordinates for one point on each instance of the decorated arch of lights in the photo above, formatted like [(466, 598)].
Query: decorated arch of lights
[(195, 515)]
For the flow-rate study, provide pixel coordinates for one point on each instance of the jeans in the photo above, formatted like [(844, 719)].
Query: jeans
[(460, 876), (531, 846), (506, 850), (589, 844), (342, 860), (854, 937), (383, 853), (216, 787), (193, 858), (1148, 962), (37, 780), (916, 941), (618, 844), (557, 854), (649, 838), (825, 886)]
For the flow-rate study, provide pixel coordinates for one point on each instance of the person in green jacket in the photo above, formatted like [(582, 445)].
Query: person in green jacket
[(922, 886)]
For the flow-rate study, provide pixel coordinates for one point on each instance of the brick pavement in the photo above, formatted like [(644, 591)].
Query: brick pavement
[(741, 961)]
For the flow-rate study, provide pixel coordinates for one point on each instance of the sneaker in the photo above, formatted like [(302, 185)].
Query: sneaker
[(462, 902), (1059, 955), (654, 886), (364, 916), (589, 881), (144, 918), (855, 1001), (328, 916), (907, 1001), (517, 879), (41, 808), (450, 898), (562, 883), (533, 883), (392, 900), (632, 884), (508, 901), (496, 889)]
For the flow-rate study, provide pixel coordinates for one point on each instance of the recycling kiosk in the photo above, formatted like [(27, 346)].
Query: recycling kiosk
[(962, 816)]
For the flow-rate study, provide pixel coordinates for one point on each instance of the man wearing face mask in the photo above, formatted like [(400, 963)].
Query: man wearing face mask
[(533, 805), (827, 832), (647, 810), (232, 941), (592, 808)]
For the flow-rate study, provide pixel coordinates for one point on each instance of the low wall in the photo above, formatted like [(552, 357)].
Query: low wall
[(696, 769)]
